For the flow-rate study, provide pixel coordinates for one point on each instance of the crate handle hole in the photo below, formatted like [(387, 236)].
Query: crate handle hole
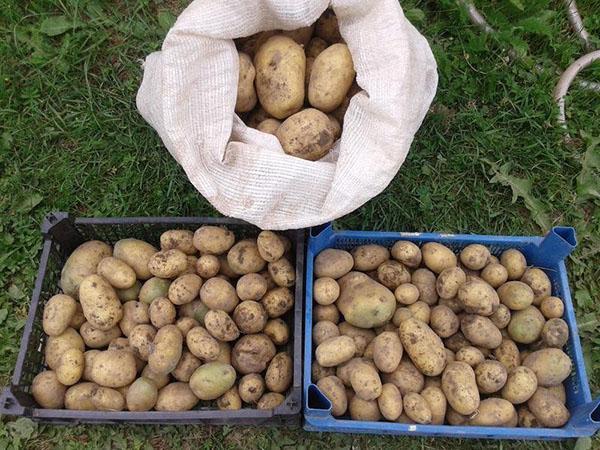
[(568, 234), (316, 399), (595, 415)]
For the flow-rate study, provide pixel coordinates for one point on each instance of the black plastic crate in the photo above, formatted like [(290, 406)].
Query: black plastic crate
[(62, 234)]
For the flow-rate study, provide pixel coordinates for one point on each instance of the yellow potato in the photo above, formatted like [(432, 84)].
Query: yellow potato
[(306, 134), (230, 400), (407, 378), (495, 274), (436, 400), (280, 64), (221, 326), (213, 240), (333, 388), (424, 347), (48, 391), (417, 408), (252, 353), (186, 367), (176, 396), (270, 400), (475, 256), (101, 306), (406, 294), (324, 330), (326, 312), (162, 312), (168, 263), (250, 317), (494, 412), (516, 295), (425, 281), (217, 293), (501, 317), (95, 338), (551, 366), (539, 283), (387, 351), (390, 402), (106, 399), (520, 385), (246, 94), (331, 77), (325, 291), (443, 321), (548, 409), (81, 263), (251, 388), (141, 395), (277, 330), (116, 272), (407, 253), (392, 274), (278, 301), (78, 318), (134, 313), (79, 397), (251, 286), (369, 257), (113, 368), (318, 372), (282, 272), (470, 355), (491, 376), (526, 325), (212, 380), (136, 254), (58, 313), (552, 307), (438, 257), (333, 263), (270, 245), (278, 376), (140, 339), (480, 331), (364, 302), (335, 351), (56, 346), (449, 281), (526, 418), (202, 344), (184, 289), (460, 387), (364, 409), (244, 258), (555, 333), (207, 266), (478, 297), (166, 350), (514, 262)]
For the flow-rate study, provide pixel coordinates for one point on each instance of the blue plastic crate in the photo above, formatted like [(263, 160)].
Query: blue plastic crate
[(547, 252)]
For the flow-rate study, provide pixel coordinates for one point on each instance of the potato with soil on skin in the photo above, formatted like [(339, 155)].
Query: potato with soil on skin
[(333, 388), (153, 288), (140, 340), (548, 409), (134, 313), (57, 345), (501, 317), (136, 254), (306, 134), (491, 376), (407, 253), (424, 347), (520, 385), (161, 380), (269, 126), (250, 317), (425, 281), (79, 397), (551, 366), (480, 331), (180, 239), (278, 376), (392, 274), (449, 281), (113, 368), (251, 286), (107, 399), (470, 355), (417, 408), (325, 291), (184, 289), (494, 412), (211, 380), (88, 360), (101, 306), (246, 94), (326, 312), (364, 302), (318, 372), (244, 258), (270, 400), (116, 272), (360, 409), (508, 354), (176, 396), (526, 325), (221, 326), (82, 263), (335, 351), (514, 262), (168, 263), (202, 344), (407, 378), (251, 388), (185, 324), (516, 295), (555, 333), (252, 353), (400, 315), (436, 400), (141, 395), (230, 400), (387, 351), (166, 349), (478, 297), (331, 76), (443, 321), (186, 366), (526, 418), (438, 257), (280, 64), (456, 342), (365, 381), (494, 274), (270, 246), (47, 391), (213, 240), (58, 312), (474, 256), (324, 330), (207, 266), (278, 301), (390, 402), (95, 338), (552, 308), (344, 370), (162, 312), (460, 387), (539, 283), (333, 263), (217, 293), (406, 294), (277, 330), (282, 272), (369, 257)]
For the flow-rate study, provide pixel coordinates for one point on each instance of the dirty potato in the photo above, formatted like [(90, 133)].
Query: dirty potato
[(478, 297), (212, 380), (246, 94), (202, 344), (166, 350), (392, 274), (406, 377), (277, 330), (514, 262), (306, 134), (443, 321), (548, 409), (460, 387), (555, 333), (162, 312), (325, 291), (213, 240), (551, 366), (244, 258), (520, 385), (449, 281), (417, 408), (140, 339), (424, 347), (48, 391), (217, 293), (364, 302), (333, 263), (252, 353), (278, 376), (425, 281), (176, 396), (82, 263), (474, 256), (251, 286), (101, 306), (481, 331), (526, 325), (58, 312), (390, 402), (184, 289), (282, 272), (387, 351), (221, 326), (168, 263), (491, 376)]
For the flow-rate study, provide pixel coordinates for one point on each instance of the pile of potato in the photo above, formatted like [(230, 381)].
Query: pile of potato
[(201, 319), (422, 335), (302, 81)]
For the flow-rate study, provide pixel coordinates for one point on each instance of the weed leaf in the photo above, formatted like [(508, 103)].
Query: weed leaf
[(415, 15), (517, 4), (29, 202), (57, 25), (583, 443), (166, 19), (588, 180)]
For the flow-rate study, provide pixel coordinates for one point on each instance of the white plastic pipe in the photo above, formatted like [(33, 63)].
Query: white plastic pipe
[(577, 23)]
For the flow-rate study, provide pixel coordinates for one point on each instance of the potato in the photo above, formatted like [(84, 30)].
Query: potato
[(224, 355), (186, 366), (58, 312), (207, 266), (252, 353), (101, 306), (251, 286), (211, 380), (160, 380), (278, 331), (407, 253), (417, 408), (406, 377), (116, 272), (421, 311), (456, 342), (278, 376), (526, 325), (221, 326), (470, 355), (474, 256), (478, 297), (365, 381), (559, 392), (176, 396), (162, 312), (539, 283), (269, 126), (552, 307), (333, 388), (202, 344), (390, 402), (520, 385), (141, 395), (438, 257), (327, 28), (251, 388), (400, 315), (278, 301), (454, 418), (79, 397), (134, 313), (555, 333), (443, 321), (326, 312), (548, 409), (185, 324), (392, 274), (47, 390), (78, 318), (460, 387), (318, 372), (251, 44), (387, 351), (217, 293), (140, 339), (551, 366), (95, 338), (501, 317), (406, 294), (57, 345), (364, 302), (88, 359), (136, 254), (333, 263), (168, 263), (344, 370), (306, 134), (480, 331), (436, 401), (331, 76), (508, 354), (360, 409), (153, 288), (113, 368), (246, 95), (335, 351), (514, 262), (325, 291), (494, 274), (270, 400), (370, 257), (491, 376), (494, 412), (244, 258), (516, 295), (425, 281), (230, 400), (184, 289), (324, 330), (250, 317), (213, 240), (81, 263), (424, 347), (449, 281), (270, 246), (282, 272), (166, 349), (106, 399)]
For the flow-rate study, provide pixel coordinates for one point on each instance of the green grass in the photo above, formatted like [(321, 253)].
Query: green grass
[(71, 139)]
